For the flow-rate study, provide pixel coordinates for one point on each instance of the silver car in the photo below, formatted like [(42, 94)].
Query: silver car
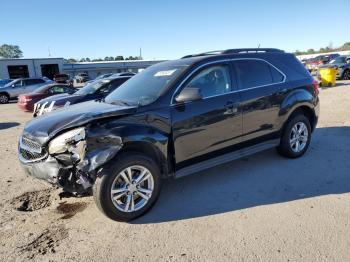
[(342, 64), (21, 86)]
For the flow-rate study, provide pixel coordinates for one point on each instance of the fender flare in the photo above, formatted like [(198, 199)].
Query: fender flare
[(299, 99)]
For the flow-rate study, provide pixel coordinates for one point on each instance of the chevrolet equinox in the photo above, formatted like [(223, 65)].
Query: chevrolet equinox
[(173, 119)]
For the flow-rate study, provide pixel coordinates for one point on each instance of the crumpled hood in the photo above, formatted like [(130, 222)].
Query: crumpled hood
[(45, 127), (62, 99)]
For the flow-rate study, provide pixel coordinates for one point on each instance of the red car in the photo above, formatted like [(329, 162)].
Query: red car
[(26, 101), (314, 63)]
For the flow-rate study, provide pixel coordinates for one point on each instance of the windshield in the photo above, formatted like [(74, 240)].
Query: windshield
[(92, 87), (338, 60), (145, 87), (11, 83)]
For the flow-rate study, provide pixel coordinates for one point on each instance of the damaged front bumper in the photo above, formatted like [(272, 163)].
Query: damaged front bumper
[(66, 169), (48, 169)]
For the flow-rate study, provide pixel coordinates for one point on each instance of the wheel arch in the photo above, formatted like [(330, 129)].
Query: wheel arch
[(149, 149), (299, 102)]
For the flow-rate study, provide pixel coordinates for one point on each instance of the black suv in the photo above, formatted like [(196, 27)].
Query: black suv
[(173, 119)]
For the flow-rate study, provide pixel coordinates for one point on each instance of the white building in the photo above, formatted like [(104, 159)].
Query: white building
[(35, 67), (38, 67), (94, 69)]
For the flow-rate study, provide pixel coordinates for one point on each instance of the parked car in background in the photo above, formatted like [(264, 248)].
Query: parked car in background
[(174, 119), (99, 77), (21, 86), (26, 101), (63, 79), (5, 81), (314, 63), (81, 78), (342, 64), (124, 74), (95, 90)]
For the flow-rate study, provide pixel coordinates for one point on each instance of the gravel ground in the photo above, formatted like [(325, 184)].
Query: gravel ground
[(260, 208)]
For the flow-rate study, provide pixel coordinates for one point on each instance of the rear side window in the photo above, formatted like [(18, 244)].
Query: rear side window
[(255, 73), (34, 81), (277, 77)]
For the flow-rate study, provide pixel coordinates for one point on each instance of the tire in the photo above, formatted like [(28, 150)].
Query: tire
[(346, 75), (4, 98), (113, 179), (294, 145)]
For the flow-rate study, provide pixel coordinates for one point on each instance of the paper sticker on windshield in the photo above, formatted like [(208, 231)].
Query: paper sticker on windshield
[(165, 73)]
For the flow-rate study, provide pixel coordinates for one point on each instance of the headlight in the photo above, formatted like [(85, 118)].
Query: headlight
[(67, 141)]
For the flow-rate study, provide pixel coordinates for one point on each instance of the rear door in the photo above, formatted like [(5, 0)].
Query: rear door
[(204, 127), (260, 86), (32, 84)]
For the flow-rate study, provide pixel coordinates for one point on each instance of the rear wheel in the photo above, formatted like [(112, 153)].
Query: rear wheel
[(4, 98), (129, 189), (296, 137)]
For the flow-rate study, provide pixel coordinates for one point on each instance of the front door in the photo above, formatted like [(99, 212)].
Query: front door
[(205, 127)]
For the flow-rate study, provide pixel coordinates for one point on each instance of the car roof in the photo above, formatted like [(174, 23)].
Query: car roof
[(190, 60)]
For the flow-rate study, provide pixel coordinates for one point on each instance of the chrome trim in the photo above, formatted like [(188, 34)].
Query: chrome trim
[(235, 91), (23, 160), (30, 149)]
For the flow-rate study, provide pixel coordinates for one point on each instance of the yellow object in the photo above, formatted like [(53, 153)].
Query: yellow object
[(328, 76)]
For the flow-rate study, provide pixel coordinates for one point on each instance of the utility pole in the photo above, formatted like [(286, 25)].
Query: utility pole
[(49, 51), (140, 57)]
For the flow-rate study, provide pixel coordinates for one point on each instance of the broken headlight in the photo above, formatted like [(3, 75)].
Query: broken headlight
[(72, 141)]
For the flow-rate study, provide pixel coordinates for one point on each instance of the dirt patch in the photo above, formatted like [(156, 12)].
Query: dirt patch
[(32, 201), (45, 242), (70, 209)]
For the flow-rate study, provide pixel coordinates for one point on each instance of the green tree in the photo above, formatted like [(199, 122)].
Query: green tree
[(87, 59), (71, 60), (119, 57), (10, 51), (310, 51)]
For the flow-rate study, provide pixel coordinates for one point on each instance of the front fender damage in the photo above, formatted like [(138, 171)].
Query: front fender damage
[(82, 173)]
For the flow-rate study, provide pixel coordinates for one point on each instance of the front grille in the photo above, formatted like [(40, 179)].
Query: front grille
[(31, 144), (31, 150)]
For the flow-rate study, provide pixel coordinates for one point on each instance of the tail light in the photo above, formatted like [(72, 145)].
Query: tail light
[(25, 99), (315, 86)]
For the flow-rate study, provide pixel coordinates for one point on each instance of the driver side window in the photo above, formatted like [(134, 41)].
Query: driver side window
[(212, 81)]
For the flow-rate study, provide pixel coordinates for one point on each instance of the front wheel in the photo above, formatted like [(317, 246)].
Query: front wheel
[(346, 74), (296, 137), (129, 189)]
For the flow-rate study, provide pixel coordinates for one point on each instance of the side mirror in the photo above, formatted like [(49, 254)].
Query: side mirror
[(189, 94)]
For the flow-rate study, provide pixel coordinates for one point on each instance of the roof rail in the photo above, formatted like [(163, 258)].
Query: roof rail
[(218, 52), (238, 51), (252, 50)]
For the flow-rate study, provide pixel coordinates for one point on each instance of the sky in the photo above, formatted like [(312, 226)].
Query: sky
[(169, 29)]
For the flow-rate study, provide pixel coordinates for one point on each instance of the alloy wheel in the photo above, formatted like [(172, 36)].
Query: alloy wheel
[(346, 75), (3, 99), (132, 188), (298, 137)]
